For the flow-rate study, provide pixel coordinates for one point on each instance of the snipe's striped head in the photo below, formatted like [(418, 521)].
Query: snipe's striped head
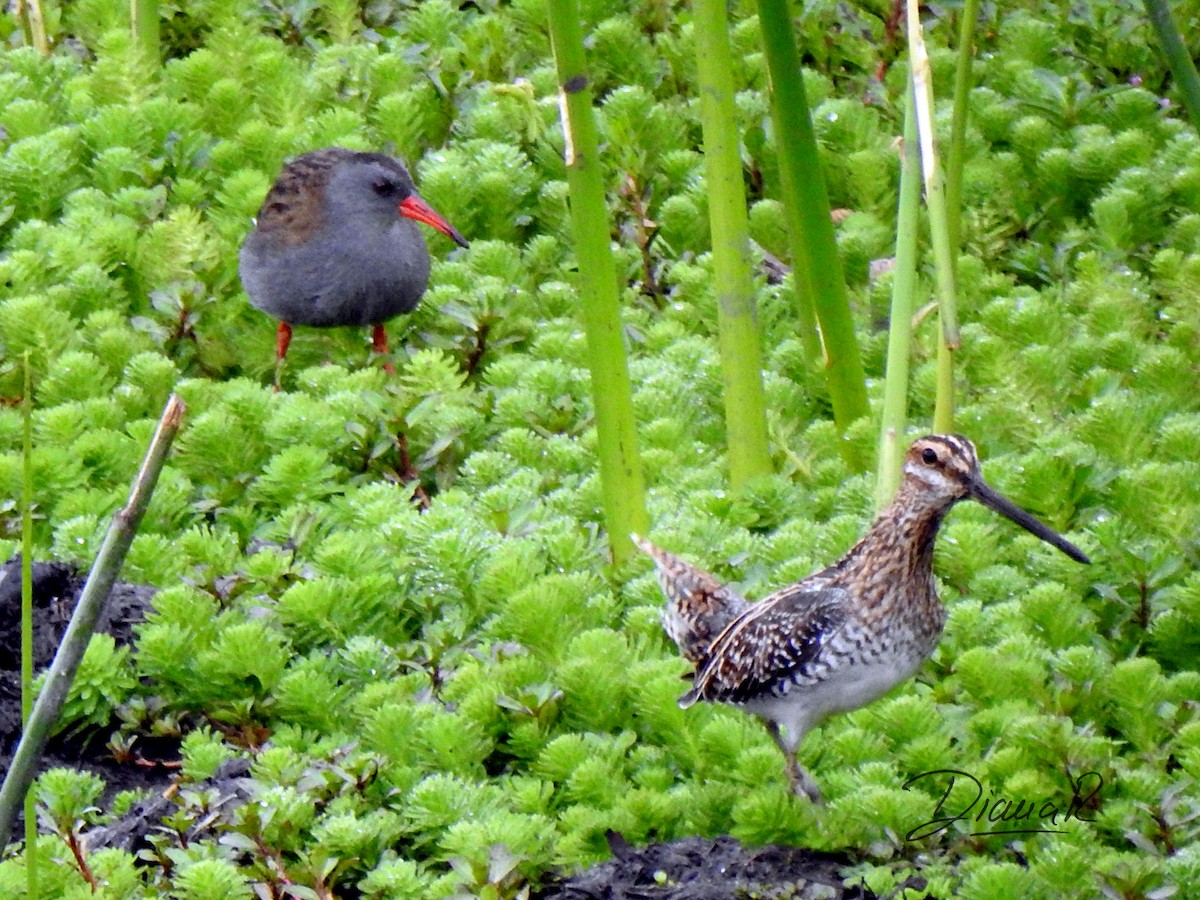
[(942, 469)]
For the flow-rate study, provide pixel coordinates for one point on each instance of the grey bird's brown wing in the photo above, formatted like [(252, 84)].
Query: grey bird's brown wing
[(699, 606), (291, 211), (777, 641)]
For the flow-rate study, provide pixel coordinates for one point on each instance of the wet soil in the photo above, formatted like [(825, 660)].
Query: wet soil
[(698, 868), (56, 588)]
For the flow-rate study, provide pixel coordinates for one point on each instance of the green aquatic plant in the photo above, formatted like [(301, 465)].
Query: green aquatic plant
[(505, 684)]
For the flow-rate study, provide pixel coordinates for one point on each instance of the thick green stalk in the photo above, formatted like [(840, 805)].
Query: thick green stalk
[(146, 27), (83, 621), (620, 467), (904, 284), (789, 105), (740, 342), (935, 201), (943, 407), (31, 850), (1178, 58), (33, 24), (958, 124), (815, 258)]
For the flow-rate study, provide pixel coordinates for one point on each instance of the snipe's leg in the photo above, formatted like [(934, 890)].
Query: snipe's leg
[(380, 345), (802, 783), (283, 337)]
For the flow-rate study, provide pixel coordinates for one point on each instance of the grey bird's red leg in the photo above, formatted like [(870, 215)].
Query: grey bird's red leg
[(283, 337), (380, 345)]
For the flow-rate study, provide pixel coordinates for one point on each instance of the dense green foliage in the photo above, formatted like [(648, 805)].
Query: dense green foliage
[(461, 698)]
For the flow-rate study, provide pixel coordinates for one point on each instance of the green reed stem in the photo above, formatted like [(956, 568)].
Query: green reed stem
[(146, 28), (943, 407), (31, 848), (33, 25), (935, 201), (1178, 57), (958, 124), (612, 393), (815, 258), (740, 342), (904, 285), (789, 112), (146, 31)]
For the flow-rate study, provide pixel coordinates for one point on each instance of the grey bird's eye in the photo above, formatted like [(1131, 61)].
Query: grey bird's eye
[(384, 188), (929, 456)]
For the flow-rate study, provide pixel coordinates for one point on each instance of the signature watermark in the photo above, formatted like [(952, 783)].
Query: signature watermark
[(1005, 815)]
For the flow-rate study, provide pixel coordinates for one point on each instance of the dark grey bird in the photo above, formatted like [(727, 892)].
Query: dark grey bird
[(335, 243), (842, 637)]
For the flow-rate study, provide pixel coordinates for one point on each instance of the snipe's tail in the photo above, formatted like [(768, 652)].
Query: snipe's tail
[(698, 605)]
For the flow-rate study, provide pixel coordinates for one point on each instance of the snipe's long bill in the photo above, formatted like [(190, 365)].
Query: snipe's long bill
[(845, 635), (981, 491)]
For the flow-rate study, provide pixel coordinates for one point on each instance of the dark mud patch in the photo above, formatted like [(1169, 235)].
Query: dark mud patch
[(708, 869), (56, 589)]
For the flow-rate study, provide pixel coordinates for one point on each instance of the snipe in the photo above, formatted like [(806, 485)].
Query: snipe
[(843, 636)]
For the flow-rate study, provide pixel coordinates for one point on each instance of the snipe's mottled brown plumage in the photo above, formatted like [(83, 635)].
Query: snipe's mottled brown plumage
[(843, 636)]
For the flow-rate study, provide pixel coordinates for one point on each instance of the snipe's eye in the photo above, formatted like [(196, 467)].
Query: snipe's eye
[(929, 456), (384, 188)]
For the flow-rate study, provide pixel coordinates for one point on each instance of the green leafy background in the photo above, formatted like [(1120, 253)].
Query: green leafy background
[(416, 688)]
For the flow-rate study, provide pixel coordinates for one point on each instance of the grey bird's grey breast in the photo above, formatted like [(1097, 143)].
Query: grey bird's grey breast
[(354, 276)]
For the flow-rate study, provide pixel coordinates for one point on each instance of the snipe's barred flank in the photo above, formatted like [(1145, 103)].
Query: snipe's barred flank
[(843, 636)]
